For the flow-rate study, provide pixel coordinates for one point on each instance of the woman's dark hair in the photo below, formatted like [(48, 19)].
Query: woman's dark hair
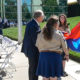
[(65, 22), (48, 29)]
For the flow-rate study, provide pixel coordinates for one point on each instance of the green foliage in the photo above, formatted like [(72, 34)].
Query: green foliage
[(51, 7), (25, 12), (50, 2), (48, 7), (11, 9), (63, 6)]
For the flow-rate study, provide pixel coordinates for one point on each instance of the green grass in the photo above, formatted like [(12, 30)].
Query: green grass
[(42, 24), (73, 21), (75, 54), (13, 32)]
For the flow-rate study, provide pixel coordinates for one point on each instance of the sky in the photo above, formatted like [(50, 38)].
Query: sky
[(71, 1)]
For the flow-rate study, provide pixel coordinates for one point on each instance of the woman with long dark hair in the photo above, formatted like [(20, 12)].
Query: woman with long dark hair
[(51, 44), (63, 26)]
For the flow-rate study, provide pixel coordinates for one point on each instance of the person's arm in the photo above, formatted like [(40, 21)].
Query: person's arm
[(33, 32), (65, 48), (68, 30), (37, 42)]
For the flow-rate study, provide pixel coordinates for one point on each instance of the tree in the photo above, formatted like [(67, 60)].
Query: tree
[(63, 8), (11, 9), (25, 12), (51, 7)]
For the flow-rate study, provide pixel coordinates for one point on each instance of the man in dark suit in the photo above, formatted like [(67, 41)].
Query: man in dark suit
[(28, 47), (1, 26)]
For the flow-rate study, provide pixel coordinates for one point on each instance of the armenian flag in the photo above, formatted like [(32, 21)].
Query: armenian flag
[(73, 39)]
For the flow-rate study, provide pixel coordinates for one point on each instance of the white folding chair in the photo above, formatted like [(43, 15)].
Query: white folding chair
[(4, 63), (9, 49)]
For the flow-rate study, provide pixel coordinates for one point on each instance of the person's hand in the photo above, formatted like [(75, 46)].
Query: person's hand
[(67, 57)]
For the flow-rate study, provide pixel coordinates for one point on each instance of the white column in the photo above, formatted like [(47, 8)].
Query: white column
[(19, 18)]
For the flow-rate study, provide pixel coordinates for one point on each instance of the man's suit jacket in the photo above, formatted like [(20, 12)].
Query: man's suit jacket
[(31, 32), (1, 26)]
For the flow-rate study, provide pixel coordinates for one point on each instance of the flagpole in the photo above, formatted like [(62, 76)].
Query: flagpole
[(19, 18)]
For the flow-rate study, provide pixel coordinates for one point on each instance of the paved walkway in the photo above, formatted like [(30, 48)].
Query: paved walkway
[(21, 73)]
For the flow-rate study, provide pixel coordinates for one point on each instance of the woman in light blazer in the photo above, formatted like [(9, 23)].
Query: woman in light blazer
[(51, 44)]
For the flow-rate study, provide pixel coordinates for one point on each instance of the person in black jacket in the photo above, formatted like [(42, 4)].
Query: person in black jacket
[(1, 26), (28, 47)]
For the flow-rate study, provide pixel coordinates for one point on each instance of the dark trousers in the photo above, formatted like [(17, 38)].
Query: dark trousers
[(33, 63)]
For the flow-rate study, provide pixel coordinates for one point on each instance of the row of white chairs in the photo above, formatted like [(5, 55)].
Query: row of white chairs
[(7, 50)]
